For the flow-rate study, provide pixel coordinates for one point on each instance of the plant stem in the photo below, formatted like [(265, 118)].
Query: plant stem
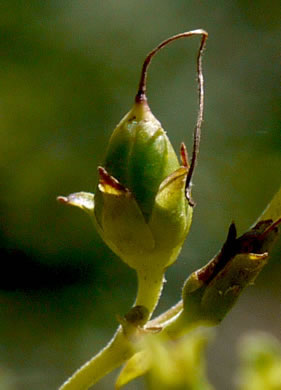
[(119, 349), (112, 356), (150, 285), (167, 315)]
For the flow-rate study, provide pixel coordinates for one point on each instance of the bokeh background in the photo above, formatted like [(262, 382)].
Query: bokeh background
[(69, 71)]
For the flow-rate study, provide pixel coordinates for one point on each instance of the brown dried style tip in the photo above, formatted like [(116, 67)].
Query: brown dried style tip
[(141, 95)]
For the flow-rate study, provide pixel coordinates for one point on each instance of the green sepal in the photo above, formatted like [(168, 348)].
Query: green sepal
[(171, 216), (121, 221), (125, 230), (82, 200)]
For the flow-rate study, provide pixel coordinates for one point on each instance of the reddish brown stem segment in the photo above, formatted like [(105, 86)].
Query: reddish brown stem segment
[(141, 95)]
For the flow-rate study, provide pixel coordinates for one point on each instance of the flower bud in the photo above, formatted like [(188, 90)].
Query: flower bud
[(140, 204), (142, 207), (210, 292)]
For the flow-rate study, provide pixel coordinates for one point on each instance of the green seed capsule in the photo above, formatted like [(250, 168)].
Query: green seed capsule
[(142, 206), (140, 155), (140, 203)]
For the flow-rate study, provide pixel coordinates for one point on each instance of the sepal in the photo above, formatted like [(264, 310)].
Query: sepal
[(121, 221), (171, 216), (83, 200)]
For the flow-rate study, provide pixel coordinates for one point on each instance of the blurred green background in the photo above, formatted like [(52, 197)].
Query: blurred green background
[(69, 72)]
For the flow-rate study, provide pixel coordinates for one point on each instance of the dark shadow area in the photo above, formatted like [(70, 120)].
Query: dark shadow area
[(22, 271)]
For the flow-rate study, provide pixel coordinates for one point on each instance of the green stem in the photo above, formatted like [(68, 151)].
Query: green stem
[(112, 356), (119, 348), (150, 285), (167, 315)]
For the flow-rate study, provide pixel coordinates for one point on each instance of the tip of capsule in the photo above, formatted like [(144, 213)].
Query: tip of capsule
[(141, 97)]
